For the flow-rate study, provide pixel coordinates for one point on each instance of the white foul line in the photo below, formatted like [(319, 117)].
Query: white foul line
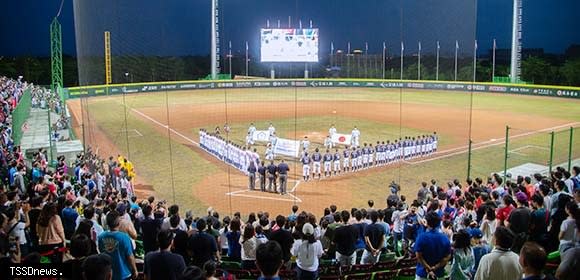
[(295, 186), (165, 126), (240, 194), (484, 144)]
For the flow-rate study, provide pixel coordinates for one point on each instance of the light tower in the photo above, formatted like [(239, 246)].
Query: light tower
[(215, 32), (516, 55)]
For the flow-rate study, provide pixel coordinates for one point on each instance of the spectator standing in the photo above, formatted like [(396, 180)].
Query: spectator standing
[(118, 246), (50, 232), (533, 260), (248, 243), (203, 246), (150, 226), (233, 237), (569, 236), (163, 264), (69, 217), (269, 260), (463, 257), (519, 221), (501, 263), (374, 240), (433, 250), (345, 238), (284, 239), (307, 251)]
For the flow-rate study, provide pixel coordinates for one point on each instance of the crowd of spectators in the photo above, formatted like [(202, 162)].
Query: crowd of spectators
[(87, 216)]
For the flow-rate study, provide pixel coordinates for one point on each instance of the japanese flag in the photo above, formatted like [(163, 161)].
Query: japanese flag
[(342, 139)]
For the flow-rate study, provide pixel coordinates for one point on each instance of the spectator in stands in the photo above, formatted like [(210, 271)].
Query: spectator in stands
[(533, 260), (374, 240), (50, 232), (209, 269), (86, 228), (463, 257), (540, 219), (163, 264), (345, 238), (504, 211), (180, 239), (501, 263), (173, 210), (433, 250), (518, 221), (269, 260), (233, 236), (398, 226), (80, 248), (150, 226), (98, 267), (480, 248), (249, 244), (203, 247), (570, 260), (307, 251), (118, 246), (33, 215), (284, 240), (569, 236), (69, 217), (17, 224)]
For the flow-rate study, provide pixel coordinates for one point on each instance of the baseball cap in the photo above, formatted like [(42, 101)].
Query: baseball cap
[(475, 233), (308, 229), (121, 208), (521, 197)]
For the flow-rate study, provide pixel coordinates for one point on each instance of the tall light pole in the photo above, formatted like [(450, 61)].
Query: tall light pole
[(402, 50), (516, 54), (493, 61), (384, 58), (437, 63), (247, 60), (230, 58), (214, 39), (456, 50), (419, 63)]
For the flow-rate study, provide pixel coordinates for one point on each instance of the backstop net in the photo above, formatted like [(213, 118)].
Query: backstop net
[(385, 72)]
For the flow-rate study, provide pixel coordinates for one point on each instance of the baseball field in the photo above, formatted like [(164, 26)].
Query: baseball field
[(159, 133)]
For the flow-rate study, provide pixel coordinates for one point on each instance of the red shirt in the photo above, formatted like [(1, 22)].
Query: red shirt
[(503, 213)]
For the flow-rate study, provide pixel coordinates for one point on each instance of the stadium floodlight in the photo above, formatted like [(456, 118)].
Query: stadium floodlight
[(437, 63), (493, 61), (456, 50), (419, 63), (516, 54)]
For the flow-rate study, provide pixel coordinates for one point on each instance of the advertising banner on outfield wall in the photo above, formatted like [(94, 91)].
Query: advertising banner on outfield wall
[(287, 147), (567, 92)]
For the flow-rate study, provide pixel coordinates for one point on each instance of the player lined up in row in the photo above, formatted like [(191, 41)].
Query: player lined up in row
[(229, 152), (353, 159)]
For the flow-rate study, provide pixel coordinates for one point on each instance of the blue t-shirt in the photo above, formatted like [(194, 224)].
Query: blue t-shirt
[(69, 218), (434, 246), (118, 246), (234, 247)]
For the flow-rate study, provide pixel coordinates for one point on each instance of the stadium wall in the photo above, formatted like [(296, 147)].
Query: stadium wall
[(539, 90)]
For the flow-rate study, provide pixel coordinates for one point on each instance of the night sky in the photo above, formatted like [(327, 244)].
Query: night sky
[(181, 27)]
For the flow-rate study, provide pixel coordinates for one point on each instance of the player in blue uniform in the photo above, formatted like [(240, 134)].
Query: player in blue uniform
[(305, 166), (353, 160), (336, 162), (316, 159), (328, 163), (345, 160)]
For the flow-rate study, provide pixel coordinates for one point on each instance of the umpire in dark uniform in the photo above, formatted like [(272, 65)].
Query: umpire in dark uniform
[(262, 174), (283, 173), (252, 176), (272, 169)]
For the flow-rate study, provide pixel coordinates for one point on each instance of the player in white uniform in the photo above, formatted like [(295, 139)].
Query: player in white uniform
[(273, 139), (269, 154), (271, 129), (328, 163), (328, 142), (355, 134), (249, 140), (435, 140), (305, 167), (251, 129), (331, 130), (305, 143), (336, 162)]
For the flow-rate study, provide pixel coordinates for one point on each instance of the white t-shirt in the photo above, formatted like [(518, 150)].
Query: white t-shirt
[(17, 231), (397, 223), (499, 265), (307, 254), (249, 248), (569, 228)]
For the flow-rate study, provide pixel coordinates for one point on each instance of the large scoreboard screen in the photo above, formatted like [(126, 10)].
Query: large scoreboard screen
[(289, 45)]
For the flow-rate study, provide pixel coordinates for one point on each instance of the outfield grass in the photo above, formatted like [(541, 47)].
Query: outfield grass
[(151, 157), (540, 106)]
